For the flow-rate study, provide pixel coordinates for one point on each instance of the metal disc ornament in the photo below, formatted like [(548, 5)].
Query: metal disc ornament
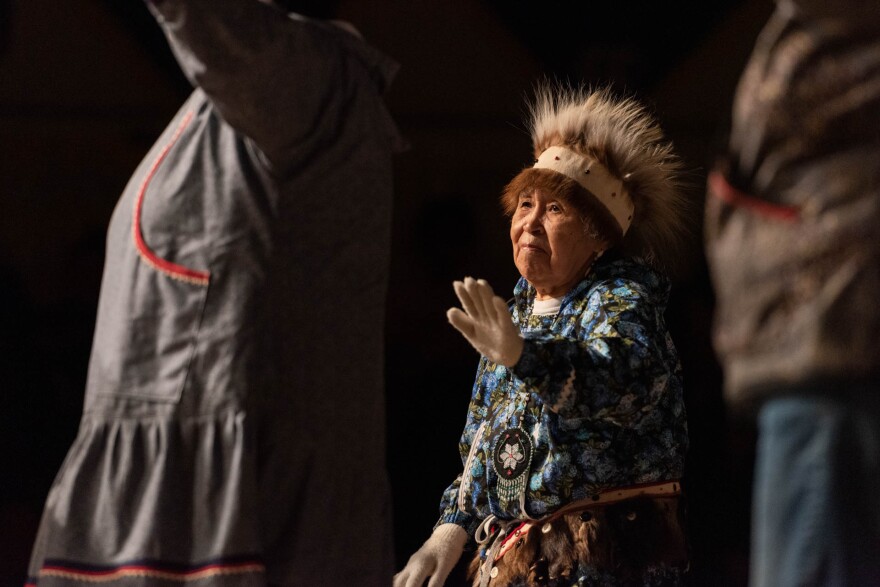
[(511, 459)]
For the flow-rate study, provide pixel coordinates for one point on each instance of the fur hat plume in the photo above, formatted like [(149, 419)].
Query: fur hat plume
[(610, 154)]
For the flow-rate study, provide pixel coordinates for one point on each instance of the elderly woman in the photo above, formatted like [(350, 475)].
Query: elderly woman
[(575, 437)]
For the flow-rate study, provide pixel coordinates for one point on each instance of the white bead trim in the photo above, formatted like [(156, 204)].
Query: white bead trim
[(593, 177)]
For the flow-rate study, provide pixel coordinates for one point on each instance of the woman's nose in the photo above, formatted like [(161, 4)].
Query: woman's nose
[(533, 221)]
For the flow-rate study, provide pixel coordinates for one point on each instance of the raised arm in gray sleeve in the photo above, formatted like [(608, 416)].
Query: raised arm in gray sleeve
[(277, 79)]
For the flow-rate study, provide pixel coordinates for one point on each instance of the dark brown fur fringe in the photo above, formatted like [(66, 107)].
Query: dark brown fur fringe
[(624, 538)]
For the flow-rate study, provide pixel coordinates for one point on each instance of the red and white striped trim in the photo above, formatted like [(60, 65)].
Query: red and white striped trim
[(165, 266), (144, 570)]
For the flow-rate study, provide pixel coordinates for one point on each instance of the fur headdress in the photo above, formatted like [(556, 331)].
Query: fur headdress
[(610, 156)]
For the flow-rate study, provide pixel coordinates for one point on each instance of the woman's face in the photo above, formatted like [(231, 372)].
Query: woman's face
[(551, 247)]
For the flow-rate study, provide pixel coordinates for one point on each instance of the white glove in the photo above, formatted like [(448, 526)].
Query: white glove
[(486, 322), (435, 559)]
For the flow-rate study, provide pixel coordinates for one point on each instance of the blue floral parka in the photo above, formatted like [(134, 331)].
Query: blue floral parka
[(597, 389)]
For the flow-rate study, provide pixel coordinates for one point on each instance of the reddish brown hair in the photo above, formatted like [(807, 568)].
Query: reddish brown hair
[(570, 192)]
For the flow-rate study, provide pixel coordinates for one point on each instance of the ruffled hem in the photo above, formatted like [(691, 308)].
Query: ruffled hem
[(233, 571), (150, 501)]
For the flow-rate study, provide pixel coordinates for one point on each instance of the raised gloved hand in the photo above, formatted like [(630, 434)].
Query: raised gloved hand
[(435, 559), (485, 322)]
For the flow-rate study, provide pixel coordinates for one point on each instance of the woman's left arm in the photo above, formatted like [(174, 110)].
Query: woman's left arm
[(615, 369)]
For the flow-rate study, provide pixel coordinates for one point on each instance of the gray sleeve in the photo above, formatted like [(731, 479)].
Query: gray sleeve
[(276, 79)]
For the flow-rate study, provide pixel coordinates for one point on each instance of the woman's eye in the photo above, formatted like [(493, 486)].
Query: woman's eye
[(525, 204), (554, 208)]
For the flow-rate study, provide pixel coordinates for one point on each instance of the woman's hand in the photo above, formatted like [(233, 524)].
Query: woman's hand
[(435, 559), (485, 322)]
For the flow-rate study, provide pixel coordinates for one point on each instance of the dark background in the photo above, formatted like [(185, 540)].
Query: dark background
[(87, 85)]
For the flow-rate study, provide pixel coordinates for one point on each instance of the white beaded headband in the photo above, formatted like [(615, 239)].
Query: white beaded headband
[(593, 177)]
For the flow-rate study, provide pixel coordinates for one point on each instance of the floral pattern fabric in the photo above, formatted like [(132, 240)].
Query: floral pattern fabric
[(598, 389)]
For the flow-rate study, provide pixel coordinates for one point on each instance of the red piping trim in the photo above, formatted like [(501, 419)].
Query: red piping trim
[(514, 533), (719, 186), (170, 269)]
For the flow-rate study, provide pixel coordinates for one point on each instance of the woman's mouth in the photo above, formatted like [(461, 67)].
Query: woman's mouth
[(532, 247)]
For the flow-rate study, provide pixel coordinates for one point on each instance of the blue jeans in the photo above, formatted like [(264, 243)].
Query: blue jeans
[(816, 501)]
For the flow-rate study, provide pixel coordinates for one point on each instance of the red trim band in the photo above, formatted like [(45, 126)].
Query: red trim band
[(73, 572), (719, 186), (147, 254)]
